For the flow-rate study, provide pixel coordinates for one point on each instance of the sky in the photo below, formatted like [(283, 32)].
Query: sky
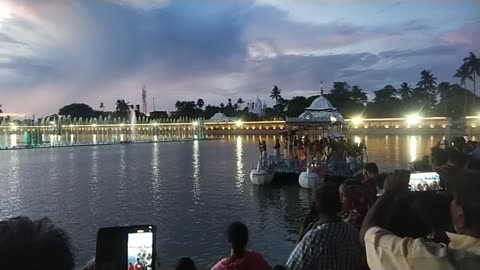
[(57, 52)]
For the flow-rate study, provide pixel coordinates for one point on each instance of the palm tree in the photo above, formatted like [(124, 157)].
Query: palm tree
[(102, 106), (200, 103), (276, 93), (405, 91), (1, 108), (463, 73), (427, 81), (240, 101), (472, 63)]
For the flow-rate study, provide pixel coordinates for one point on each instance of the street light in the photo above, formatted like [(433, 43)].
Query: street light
[(195, 123), (357, 120), (238, 123), (413, 119)]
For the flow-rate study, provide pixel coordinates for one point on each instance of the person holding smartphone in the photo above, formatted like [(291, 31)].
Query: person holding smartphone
[(387, 250)]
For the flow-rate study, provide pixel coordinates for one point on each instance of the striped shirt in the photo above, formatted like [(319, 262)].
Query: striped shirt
[(334, 246)]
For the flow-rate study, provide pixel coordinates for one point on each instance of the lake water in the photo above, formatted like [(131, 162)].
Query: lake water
[(190, 190)]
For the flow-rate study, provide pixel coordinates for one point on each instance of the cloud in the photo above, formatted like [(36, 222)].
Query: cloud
[(99, 51)]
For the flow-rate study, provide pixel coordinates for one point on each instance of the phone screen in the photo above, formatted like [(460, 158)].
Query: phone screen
[(140, 250), (424, 181), (128, 248)]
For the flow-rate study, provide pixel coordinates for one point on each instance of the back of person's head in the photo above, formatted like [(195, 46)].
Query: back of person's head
[(237, 236), (439, 156), (371, 168), (380, 180), (185, 263), (327, 200), (34, 245), (458, 143), (457, 158), (466, 204), (399, 214), (434, 208)]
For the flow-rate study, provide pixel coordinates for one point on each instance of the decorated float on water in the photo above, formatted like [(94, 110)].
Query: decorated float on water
[(314, 149)]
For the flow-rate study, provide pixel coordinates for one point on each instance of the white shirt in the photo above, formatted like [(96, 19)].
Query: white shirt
[(387, 251)]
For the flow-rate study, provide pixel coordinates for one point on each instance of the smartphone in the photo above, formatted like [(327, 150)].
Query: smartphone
[(424, 181), (126, 248)]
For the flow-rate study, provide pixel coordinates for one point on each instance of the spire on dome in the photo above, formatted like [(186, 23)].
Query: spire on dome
[(321, 88)]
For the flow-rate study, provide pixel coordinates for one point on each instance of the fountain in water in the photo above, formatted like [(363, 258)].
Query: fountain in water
[(133, 122)]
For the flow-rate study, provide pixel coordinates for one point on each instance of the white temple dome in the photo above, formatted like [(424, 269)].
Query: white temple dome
[(220, 117), (320, 104), (321, 110)]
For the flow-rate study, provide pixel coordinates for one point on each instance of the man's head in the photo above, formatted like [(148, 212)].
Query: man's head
[(465, 207), (32, 245), (138, 260), (439, 157), (185, 263), (237, 236), (370, 170), (326, 200)]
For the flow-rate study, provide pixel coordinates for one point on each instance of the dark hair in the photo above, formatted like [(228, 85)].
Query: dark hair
[(371, 168), (467, 195), (238, 236), (439, 156), (457, 158), (380, 180), (399, 214), (185, 263), (34, 245), (327, 200)]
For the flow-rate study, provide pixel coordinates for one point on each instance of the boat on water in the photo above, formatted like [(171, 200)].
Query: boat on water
[(315, 149)]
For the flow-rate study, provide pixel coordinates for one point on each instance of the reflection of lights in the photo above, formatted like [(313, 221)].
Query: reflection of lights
[(413, 119), (239, 156), (357, 139), (195, 136), (357, 120), (13, 140), (413, 148), (196, 171), (238, 123)]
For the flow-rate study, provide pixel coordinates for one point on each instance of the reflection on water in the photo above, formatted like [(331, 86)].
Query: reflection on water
[(196, 171), (413, 148), (191, 190), (239, 178)]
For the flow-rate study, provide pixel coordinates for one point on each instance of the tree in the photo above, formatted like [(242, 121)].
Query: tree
[(1, 108), (240, 101), (200, 103), (472, 64), (122, 106), (405, 91), (77, 110), (276, 94), (296, 106), (158, 114), (463, 74), (385, 103), (186, 109), (349, 102), (427, 81), (102, 106)]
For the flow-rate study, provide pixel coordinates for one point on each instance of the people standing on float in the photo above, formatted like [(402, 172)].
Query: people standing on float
[(276, 151)]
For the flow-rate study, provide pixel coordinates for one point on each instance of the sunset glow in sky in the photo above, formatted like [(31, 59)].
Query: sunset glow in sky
[(55, 52)]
